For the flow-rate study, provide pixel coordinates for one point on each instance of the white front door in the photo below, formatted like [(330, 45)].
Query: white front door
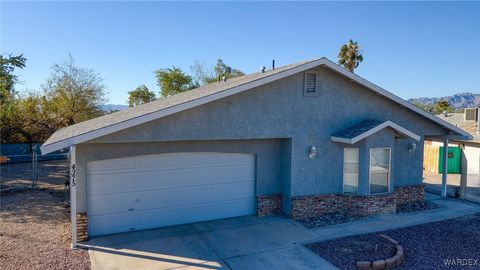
[(142, 192)]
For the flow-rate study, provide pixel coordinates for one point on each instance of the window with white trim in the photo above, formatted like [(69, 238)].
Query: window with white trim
[(379, 170), (350, 170)]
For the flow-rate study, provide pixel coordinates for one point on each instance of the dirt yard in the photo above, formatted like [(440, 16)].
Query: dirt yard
[(51, 175), (35, 224)]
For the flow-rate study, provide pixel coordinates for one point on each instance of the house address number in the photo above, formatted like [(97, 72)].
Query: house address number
[(73, 172)]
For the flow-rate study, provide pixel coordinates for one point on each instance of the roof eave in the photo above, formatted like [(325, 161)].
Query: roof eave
[(48, 148), (177, 108), (374, 130)]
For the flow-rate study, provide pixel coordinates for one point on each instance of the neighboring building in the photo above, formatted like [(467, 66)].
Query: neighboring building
[(468, 121), (304, 139)]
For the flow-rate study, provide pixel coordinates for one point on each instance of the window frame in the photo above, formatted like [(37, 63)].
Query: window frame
[(358, 170), (389, 170), (310, 94)]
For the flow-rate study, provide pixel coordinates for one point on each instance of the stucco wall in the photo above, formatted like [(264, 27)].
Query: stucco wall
[(271, 155), (279, 110)]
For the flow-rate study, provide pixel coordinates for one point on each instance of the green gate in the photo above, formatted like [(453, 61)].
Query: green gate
[(454, 161)]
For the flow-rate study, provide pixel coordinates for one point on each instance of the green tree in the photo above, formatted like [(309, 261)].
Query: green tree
[(223, 70), (37, 121), (140, 95), (74, 93), (10, 122), (173, 81), (442, 106), (205, 74), (27, 120), (426, 107), (7, 78), (350, 56)]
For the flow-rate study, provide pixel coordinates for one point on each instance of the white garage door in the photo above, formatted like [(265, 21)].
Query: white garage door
[(151, 191)]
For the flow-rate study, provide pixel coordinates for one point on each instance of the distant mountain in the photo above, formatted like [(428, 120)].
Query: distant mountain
[(457, 101), (113, 107)]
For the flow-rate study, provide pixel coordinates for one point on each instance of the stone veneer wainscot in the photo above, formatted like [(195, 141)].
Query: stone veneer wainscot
[(82, 229), (268, 205), (363, 205)]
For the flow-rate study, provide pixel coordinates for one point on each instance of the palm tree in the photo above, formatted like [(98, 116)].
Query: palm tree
[(349, 56)]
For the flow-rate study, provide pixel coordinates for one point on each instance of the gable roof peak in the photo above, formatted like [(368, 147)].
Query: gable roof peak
[(162, 107)]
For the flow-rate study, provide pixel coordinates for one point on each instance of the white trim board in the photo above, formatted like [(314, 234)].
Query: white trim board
[(237, 89), (376, 129)]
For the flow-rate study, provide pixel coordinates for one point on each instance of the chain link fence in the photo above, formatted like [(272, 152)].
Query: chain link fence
[(23, 166)]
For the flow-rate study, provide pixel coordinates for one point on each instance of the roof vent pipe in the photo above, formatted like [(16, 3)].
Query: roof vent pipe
[(263, 69), (224, 78), (273, 64), (445, 113)]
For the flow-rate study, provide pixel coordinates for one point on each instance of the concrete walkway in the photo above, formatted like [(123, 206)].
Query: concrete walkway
[(247, 242), (449, 208), (433, 184)]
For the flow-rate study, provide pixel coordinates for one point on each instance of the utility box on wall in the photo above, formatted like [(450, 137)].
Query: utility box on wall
[(454, 161)]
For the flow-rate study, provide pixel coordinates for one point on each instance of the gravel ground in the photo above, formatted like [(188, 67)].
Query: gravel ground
[(415, 207), (345, 252), (328, 219), (426, 246), (35, 228)]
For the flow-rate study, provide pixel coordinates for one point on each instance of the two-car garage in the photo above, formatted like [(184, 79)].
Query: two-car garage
[(149, 191)]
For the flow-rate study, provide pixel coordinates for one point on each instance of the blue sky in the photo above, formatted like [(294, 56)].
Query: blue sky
[(412, 49)]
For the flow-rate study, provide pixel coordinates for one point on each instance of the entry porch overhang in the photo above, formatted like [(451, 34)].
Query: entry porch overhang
[(362, 130)]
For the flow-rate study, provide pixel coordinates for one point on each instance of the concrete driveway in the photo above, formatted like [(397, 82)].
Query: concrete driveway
[(236, 243)]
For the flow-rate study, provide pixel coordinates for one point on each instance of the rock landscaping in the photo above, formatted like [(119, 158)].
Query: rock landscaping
[(415, 207), (345, 253), (329, 219), (388, 263), (448, 244)]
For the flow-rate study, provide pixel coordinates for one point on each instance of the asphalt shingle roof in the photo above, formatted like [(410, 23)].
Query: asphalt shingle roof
[(110, 123), (162, 103), (357, 129)]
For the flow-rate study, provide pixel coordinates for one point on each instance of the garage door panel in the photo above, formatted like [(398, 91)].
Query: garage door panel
[(109, 183), (238, 207), (217, 175), (110, 165), (157, 180), (240, 190), (102, 224), (157, 217), (100, 205), (168, 189), (156, 198), (198, 195), (193, 195)]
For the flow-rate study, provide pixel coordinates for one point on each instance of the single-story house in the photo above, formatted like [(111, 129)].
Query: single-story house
[(303, 139), (468, 121)]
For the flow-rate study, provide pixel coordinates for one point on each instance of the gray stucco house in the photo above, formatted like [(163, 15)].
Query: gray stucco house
[(302, 140)]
